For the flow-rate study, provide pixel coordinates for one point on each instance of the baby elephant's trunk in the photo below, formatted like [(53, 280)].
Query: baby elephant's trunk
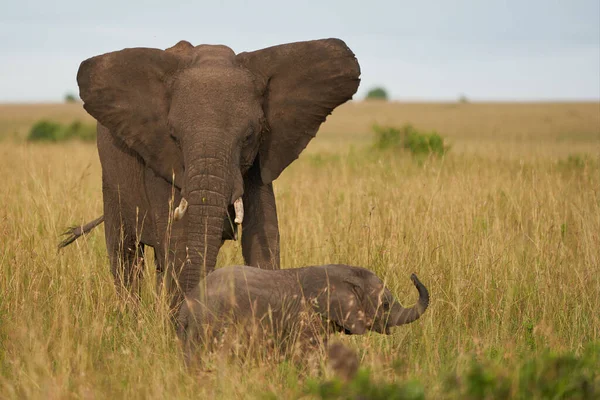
[(408, 315)]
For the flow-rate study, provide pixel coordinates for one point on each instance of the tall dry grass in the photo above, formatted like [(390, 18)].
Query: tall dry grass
[(504, 231)]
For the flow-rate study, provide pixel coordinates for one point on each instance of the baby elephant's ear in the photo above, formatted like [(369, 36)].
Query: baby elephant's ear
[(345, 309), (127, 92)]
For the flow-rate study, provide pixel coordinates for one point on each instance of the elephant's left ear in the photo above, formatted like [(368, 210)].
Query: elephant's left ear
[(345, 309), (305, 82)]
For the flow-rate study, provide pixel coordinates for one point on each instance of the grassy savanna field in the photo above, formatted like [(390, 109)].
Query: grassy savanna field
[(504, 230)]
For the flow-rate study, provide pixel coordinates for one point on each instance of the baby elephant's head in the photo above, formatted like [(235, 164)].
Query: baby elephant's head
[(356, 301)]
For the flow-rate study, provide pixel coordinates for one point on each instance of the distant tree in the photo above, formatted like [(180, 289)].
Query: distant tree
[(463, 99), (378, 93), (70, 98)]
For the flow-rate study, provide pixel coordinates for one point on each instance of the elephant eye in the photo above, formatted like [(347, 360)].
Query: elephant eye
[(386, 306), (249, 135), (175, 139)]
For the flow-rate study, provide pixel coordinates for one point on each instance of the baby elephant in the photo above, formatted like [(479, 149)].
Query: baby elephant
[(300, 303)]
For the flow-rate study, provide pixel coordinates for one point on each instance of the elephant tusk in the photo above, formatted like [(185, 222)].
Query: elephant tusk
[(238, 205), (180, 210)]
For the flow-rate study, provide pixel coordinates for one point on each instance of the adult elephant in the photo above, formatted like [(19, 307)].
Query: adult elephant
[(206, 129)]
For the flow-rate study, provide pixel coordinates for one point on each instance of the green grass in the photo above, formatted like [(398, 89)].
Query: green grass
[(48, 131), (504, 231)]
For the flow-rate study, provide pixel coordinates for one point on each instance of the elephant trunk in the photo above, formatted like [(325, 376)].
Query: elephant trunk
[(208, 188), (408, 315), (204, 231)]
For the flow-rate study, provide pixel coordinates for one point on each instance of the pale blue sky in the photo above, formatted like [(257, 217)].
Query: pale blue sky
[(418, 50)]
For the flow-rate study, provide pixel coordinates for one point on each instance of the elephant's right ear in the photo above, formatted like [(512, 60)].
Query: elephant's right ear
[(127, 92)]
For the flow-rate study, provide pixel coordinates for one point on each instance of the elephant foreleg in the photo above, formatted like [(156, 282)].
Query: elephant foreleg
[(126, 260), (260, 230)]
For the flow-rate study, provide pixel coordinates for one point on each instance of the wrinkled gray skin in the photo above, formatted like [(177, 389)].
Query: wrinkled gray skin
[(208, 125), (343, 298)]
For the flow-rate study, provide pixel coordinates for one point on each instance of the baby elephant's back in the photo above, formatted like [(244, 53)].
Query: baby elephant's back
[(245, 292)]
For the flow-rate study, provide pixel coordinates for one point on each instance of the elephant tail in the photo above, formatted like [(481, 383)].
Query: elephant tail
[(74, 232)]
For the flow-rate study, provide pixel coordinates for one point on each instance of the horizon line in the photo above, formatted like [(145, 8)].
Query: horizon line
[(393, 100)]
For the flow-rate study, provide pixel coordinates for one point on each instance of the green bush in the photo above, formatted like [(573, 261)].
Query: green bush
[(562, 376), (44, 131), (377, 93), (48, 131), (362, 386), (409, 138), (77, 130), (548, 376)]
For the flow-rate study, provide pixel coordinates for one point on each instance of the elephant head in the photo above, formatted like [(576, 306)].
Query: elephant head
[(200, 117), (356, 301)]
